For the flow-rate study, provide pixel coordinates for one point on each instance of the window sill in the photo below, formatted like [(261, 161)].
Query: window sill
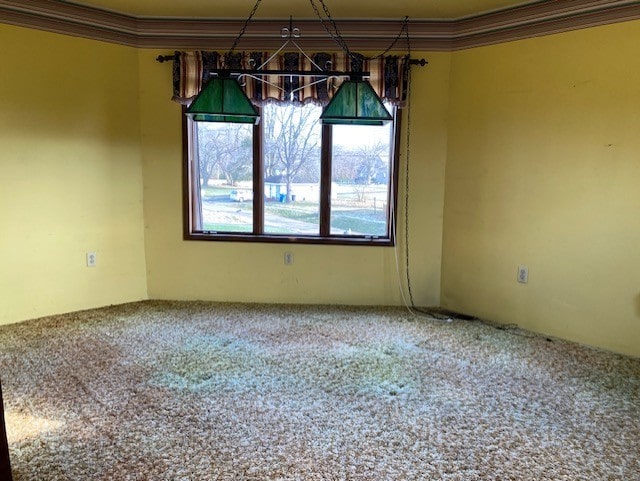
[(289, 239)]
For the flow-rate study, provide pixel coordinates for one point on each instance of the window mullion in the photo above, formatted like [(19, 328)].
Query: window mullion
[(325, 181)]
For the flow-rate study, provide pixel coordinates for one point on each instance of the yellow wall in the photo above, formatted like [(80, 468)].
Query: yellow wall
[(539, 139), (70, 175), (544, 170), (179, 269)]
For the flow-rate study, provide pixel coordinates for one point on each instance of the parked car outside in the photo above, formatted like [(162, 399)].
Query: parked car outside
[(241, 195)]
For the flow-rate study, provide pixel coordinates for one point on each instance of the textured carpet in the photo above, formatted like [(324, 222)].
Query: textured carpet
[(200, 391)]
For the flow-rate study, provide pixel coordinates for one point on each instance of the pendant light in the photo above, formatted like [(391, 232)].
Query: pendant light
[(355, 103), (223, 100)]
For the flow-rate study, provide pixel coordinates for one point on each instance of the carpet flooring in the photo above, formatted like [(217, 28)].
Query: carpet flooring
[(181, 391)]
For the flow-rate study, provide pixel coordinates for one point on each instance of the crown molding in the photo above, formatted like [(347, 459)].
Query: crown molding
[(525, 21), (539, 19)]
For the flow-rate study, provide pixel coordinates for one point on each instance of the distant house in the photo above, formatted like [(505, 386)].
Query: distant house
[(275, 189)]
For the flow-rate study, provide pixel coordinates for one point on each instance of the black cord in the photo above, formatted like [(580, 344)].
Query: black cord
[(412, 305), (406, 197), (406, 185)]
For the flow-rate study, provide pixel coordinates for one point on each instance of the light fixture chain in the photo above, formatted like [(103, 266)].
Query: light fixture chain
[(337, 37), (335, 26), (244, 27), (403, 29)]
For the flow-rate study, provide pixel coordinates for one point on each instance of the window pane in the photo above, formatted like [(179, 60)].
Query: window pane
[(225, 160), (361, 177), (291, 149)]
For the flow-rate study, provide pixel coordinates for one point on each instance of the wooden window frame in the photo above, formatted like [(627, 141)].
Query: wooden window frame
[(258, 234)]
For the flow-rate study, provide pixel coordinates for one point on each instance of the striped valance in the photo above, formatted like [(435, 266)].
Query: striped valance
[(191, 72)]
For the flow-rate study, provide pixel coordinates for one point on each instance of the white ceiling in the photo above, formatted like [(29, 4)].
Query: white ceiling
[(392, 9)]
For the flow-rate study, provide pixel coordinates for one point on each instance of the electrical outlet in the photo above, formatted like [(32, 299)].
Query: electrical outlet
[(91, 259), (288, 258), (523, 274)]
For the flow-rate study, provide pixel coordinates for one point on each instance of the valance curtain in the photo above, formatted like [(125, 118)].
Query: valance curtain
[(191, 73)]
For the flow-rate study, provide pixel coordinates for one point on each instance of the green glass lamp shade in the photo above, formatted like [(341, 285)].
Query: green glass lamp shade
[(355, 103), (222, 100)]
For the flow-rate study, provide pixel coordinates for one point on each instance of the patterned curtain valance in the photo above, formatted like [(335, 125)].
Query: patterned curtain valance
[(191, 72)]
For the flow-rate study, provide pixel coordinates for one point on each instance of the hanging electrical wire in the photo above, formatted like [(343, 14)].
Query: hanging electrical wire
[(411, 304)]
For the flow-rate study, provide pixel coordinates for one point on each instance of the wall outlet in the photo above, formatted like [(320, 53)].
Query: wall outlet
[(523, 274), (91, 259), (288, 258)]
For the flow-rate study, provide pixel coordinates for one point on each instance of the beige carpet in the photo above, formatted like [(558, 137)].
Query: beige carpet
[(199, 391)]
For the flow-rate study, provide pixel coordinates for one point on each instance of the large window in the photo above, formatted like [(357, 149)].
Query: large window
[(290, 179)]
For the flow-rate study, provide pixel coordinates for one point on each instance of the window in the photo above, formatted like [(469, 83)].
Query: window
[(290, 179)]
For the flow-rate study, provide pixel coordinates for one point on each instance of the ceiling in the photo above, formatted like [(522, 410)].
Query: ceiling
[(361, 9)]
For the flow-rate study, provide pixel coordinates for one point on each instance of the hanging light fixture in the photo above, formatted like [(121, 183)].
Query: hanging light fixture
[(355, 102), (223, 100)]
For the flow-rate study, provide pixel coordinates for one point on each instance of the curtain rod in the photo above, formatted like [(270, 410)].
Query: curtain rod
[(412, 61)]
